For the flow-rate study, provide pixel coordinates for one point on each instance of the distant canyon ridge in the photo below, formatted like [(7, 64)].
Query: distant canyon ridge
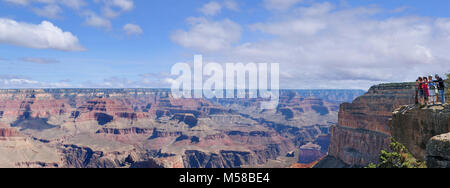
[(148, 128)]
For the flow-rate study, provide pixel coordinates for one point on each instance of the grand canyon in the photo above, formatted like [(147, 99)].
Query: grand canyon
[(148, 128)]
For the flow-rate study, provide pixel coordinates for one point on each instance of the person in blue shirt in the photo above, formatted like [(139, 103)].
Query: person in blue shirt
[(432, 87), (441, 87)]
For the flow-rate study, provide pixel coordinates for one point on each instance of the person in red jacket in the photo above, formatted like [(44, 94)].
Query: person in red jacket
[(426, 91)]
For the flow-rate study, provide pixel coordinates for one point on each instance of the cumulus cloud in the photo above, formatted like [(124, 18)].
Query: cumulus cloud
[(351, 46), (41, 36), (132, 29), (110, 9), (206, 35), (323, 45)]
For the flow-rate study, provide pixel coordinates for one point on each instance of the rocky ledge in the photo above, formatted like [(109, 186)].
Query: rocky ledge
[(425, 132), (414, 126), (438, 152)]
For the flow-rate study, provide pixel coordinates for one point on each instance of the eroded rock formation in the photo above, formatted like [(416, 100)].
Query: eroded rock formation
[(362, 130), (120, 128)]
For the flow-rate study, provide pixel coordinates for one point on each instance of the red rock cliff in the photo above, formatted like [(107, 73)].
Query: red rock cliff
[(362, 130)]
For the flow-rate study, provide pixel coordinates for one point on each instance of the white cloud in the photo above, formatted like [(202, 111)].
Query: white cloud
[(41, 36), (325, 46), (114, 8), (109, 9), (132, 29), (292, 27), (211, 9), (206, 35), (125, 5), (280, 4), (18, 82), (92, 19), (351, 47), (49, 11)]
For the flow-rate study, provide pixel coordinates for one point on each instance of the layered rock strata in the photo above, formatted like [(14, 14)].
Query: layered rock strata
[(362, 130), (120, 128)]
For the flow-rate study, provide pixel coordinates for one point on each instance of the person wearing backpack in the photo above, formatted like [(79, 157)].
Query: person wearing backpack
[(441, 87)]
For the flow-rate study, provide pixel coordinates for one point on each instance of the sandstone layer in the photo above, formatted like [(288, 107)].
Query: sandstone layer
[(362, 130), (120, 128)]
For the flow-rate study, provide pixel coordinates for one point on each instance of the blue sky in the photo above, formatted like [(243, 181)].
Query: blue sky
[(134, 43)]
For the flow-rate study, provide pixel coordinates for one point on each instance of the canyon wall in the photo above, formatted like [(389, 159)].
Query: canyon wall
[(362, 130), (424, 132)]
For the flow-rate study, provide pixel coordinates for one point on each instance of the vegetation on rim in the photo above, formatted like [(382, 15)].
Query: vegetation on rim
[(397, 157)]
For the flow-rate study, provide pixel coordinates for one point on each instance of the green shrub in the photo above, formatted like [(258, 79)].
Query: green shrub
[(397, 157)]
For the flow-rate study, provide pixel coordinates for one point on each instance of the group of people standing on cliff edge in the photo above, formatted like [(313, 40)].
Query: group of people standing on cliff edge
[(430, 91)]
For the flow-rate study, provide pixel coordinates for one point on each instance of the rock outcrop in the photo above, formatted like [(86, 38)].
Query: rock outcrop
[(223, 159), (310, 153), (438, 152), (414, 126), (425, 132), (362, 130)]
